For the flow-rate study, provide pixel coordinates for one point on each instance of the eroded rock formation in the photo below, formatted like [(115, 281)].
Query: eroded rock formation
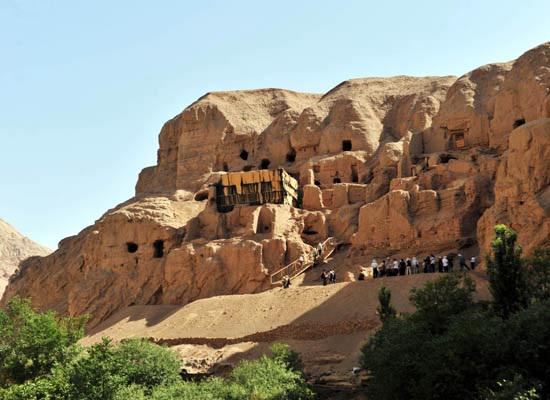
[(14, 248), (388, 166)]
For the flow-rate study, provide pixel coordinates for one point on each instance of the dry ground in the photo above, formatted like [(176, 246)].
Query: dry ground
[(326, 324)]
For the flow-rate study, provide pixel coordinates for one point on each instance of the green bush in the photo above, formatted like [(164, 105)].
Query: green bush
[(385, 310), (31, 343), (267, 379), (517, 388), (106, 369), (538, 275), (133, 369), (283, 353), (438, 301)]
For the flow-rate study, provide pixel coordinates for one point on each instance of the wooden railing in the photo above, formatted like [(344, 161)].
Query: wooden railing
[(296, 267)]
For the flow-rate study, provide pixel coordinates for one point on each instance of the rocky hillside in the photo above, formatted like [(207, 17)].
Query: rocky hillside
[(387, 166), (14, 248)]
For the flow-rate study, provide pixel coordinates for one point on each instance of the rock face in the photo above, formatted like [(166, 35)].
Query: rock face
[(388, 166), (14, 248)]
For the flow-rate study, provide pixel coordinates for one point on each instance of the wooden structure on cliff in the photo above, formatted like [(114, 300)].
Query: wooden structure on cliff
[(256, 187)]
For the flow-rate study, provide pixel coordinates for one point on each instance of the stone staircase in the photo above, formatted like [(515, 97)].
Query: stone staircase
[(297, 267)]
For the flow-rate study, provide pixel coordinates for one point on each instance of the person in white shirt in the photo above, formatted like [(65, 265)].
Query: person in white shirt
[(374, 266), (473, 262), (414, 263), (445, 264)]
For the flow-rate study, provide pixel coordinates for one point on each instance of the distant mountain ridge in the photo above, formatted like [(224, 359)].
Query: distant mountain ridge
[(14, 247)]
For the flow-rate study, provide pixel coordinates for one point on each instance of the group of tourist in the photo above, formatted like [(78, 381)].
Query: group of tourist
[(328, 277), (409, 266)]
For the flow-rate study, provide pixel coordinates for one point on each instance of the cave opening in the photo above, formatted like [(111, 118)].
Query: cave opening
[(336, 180), (265, 163), (225, 167), (131, 247), (519, 122), (309, 231), (346, 145), (317, 182), (354, 174), (158, 247), (244, 154), (445, 158), (247, 168), (291, 156), (201, 196)]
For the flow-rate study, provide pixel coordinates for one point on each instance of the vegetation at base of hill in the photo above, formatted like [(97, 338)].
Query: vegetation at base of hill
[(40, 359), (385, 310), (454, 348)]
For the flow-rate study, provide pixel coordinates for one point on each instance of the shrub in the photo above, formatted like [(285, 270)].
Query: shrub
[(283, 353), (516, 388), (438, 301), (107, 369), (385, 310), (31, 343), (538, 275), (267, 379)]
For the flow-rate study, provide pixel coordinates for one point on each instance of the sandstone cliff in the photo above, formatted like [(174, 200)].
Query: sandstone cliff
[(388, 166), (14, 248)]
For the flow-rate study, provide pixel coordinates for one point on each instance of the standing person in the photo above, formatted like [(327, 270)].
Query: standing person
[(395, 268), (383, 268), (320, 251), (374, 266), (445, 262), (414, 263), (462, 262), (409, 265), (439, 264), (473, 263), (451, 262), (402, 267), (427, 264), (332, 276), (324, 277), (315, 255), (432, 263), (286, 282)]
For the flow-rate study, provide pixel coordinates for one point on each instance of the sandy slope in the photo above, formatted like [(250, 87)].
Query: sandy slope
[(326, 324)]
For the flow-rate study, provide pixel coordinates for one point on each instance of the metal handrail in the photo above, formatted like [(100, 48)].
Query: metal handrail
[(295, 268)]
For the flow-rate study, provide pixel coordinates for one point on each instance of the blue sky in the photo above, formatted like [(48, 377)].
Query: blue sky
[(86, 86)]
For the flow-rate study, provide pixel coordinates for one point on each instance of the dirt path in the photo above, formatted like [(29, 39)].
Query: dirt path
[(298, 331)]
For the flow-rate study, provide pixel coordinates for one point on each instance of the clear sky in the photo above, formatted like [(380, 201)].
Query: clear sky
[(85, 86)]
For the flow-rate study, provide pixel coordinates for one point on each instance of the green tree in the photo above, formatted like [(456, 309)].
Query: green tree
[(538, 275), (385, 310), (267, 379), (438, 301), (516, 388), (107, 369), (32, 343), (283, 353), (507, 277)]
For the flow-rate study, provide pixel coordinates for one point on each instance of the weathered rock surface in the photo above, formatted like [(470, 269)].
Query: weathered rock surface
[(14, 248), (388, 166)]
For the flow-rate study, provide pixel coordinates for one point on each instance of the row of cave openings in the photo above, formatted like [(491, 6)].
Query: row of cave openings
[(290, 157), (158, 248)]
